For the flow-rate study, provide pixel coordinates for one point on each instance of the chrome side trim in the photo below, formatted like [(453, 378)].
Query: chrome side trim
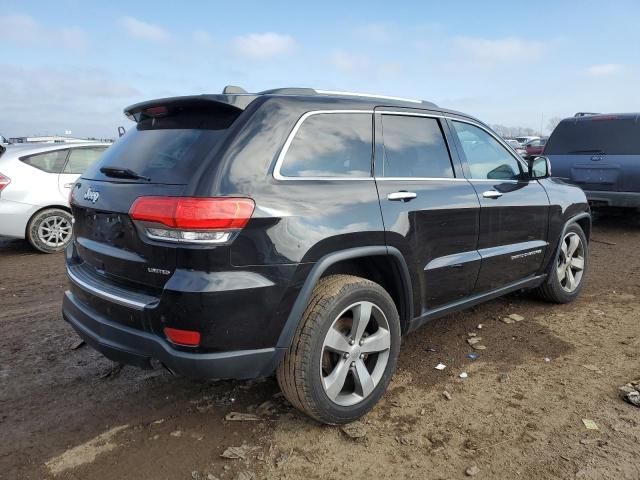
[(105, 295), (276, 169)]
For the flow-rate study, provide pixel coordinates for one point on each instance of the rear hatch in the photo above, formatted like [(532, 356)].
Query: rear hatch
[(598, 153), (160, 157)]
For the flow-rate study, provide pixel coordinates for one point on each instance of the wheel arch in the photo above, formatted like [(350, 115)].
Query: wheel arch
[(364, 262), (42, 209), (584, 221)]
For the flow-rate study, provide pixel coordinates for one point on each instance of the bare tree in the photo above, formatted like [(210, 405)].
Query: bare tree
[(553, 123)]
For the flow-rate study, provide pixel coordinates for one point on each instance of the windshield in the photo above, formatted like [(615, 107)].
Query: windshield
[(595, 135)]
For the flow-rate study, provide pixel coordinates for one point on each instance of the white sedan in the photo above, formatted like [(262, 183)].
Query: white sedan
[(35, 180)]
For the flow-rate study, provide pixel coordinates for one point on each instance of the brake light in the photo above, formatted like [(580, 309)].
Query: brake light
[(189, 219), (186, 338), (159, 111), (4, 181)]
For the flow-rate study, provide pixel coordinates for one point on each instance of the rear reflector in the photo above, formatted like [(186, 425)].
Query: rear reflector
[(4, 181), (194, 213), (186, 338)]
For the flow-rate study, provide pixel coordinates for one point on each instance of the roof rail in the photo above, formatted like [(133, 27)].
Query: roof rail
[(312, 91), (585, 114), (371, 95)]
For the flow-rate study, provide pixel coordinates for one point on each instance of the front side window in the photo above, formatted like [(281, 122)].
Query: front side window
[(414, 147), (331, 145), (81, 158), (486, 157), (50, 162)]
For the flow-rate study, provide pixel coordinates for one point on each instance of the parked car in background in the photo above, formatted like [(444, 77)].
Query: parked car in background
[(601, 154), (238, 235), (517, 146), (35, 180), (524, 139), (4, 141), (535, 147)]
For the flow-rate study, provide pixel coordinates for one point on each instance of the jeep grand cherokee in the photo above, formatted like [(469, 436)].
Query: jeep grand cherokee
[(303, 232)]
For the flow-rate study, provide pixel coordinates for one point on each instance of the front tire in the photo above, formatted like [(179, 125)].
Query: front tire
[(344, 351), (49, 230), (567, 274)]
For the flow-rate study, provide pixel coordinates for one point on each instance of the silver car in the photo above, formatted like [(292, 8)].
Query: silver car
[(35, 180)]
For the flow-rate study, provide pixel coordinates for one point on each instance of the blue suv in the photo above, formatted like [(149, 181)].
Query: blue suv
[(601, 154)]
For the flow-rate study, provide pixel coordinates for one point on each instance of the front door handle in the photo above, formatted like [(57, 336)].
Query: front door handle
[(491, 194), (401, 196)]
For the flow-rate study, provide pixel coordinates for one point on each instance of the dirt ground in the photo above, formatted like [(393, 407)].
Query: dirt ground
[(69, 413)]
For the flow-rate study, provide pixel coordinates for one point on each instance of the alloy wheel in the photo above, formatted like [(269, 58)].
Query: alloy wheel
[(570, 267), (54, 231), (355, 353)]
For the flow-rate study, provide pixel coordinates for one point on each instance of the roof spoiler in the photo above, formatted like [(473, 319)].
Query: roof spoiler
[(163, 106)]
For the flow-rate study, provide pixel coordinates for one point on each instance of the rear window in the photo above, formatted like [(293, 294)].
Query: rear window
[(593, 135), (166, 150)]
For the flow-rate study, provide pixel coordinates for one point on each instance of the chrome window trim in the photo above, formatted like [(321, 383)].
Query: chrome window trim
[(281, 156), (285, 148), (105, 295)]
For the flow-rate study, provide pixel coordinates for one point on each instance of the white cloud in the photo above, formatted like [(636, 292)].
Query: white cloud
[(497, 50), (143, 30), (263, 45), (25, 31), (347, 62), (52, 99), (605, 69)]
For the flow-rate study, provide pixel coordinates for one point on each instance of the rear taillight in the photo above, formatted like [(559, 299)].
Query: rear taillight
[(4, 181), (192, 220)]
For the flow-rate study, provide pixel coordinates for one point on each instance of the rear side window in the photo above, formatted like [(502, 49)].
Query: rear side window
[(486, 158), (50, 162), (595, 135), (331, 145), (414, 147), (167, 150), (81, 158)]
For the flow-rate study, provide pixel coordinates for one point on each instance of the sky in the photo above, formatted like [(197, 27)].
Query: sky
[(74, 65)]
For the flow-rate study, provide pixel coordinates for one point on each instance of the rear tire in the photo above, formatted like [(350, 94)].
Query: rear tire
[(344, 351), (568, 272), (49, 230)]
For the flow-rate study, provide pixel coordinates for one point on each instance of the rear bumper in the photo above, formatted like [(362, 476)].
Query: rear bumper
[(135, 347), (613, 199), (14, 217)]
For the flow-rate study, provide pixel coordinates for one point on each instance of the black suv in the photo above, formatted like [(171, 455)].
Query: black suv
[(303, 232)]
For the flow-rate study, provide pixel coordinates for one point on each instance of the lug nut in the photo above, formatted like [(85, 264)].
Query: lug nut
[(345, 355), (353, 364), (351, 341), (361, 342), (361, 356)]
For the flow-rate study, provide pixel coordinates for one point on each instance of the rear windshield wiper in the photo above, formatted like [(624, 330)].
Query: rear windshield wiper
[(596, 150), (123, 173)]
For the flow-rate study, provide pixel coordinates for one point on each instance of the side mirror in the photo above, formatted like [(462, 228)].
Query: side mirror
[(539, 167)]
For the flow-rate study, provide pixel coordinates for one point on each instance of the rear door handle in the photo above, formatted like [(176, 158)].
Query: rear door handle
[(401, 196), (491, 194)]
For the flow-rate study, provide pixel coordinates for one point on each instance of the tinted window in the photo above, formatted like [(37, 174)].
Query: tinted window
[(486, 157), (168, 149), (331, 145), (51, 162), (594, 135), (81, 158), (414, 147)]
